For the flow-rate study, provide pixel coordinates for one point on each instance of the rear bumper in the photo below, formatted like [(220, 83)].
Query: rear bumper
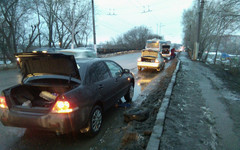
[(166, 55), (61, 123), (148, 65)]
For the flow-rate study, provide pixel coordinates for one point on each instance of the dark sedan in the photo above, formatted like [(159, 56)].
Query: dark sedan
[(61, 95)]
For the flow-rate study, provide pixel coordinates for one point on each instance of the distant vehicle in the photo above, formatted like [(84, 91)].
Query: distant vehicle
[(154, 44), (82, 52), (151, 59), (166, 52), (62, 95), (46, 50)]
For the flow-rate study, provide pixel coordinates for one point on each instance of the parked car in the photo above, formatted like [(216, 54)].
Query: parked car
[(151, 59), (61, 94), (46, 50), (79, 52), (166, 52)]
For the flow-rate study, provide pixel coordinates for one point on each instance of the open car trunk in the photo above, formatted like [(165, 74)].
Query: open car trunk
[(148, 59), (35, 98), (149, 55)]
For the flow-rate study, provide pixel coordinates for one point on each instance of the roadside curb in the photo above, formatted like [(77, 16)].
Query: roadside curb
[(154, 141)]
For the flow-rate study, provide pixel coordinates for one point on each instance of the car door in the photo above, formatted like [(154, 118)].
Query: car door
[(102, 83), (120, 79)]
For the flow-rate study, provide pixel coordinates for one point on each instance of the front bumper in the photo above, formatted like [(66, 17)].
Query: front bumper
[(60, 123), (148, 65)]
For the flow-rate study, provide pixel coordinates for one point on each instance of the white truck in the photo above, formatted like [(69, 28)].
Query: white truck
[(155, 44)]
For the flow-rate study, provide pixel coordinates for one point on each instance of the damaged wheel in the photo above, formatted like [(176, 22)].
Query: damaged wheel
[(128, 97), (95, 121)]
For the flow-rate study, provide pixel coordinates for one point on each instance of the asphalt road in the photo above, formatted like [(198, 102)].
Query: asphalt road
[(19, 138)]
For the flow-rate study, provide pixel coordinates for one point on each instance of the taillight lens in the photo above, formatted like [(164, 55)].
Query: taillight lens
[(156, 61), (139, 59), (3, 103), (63, 106)]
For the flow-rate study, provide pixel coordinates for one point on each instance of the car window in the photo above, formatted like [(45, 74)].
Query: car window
[(98, 72), (114, 68)]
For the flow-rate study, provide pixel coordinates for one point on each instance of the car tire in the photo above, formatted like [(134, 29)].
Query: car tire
[(95, 121), (158, 69), (139, 68), (128, 97)]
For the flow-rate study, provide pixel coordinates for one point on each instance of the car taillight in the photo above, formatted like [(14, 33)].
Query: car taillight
[(63, 106), (139, 59), (3, 103), (156, 61)]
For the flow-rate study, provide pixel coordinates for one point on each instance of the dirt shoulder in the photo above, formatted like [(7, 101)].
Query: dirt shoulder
[(199, 116)]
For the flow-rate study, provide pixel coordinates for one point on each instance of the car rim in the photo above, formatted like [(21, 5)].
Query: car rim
[(96, 120), (131, 92)]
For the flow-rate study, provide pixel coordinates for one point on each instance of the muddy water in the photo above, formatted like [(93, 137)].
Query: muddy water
[(223, 122)]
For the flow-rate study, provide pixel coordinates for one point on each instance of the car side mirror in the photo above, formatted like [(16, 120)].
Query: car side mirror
[(126, 71)]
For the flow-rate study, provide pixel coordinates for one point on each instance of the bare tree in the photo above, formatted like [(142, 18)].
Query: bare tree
[(81, 24), (215, 24), (133, 39), (13, 14)]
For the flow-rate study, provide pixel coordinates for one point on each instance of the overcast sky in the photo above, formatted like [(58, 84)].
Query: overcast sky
[(115, 17)]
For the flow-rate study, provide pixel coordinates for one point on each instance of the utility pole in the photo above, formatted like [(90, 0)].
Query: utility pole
[(94, 32), (196, 44)]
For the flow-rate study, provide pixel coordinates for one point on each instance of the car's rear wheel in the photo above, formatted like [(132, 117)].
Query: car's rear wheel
[(95, 121), (128, 97), (158, 69)]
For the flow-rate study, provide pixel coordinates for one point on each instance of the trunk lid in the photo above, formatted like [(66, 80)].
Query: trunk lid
[(149, 53), (45, 63)]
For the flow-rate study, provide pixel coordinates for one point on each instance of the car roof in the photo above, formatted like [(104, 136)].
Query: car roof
[(53, 49), (89, 61), (76, 50)]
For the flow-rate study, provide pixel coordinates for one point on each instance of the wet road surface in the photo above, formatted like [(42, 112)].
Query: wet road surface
[(18, 138)]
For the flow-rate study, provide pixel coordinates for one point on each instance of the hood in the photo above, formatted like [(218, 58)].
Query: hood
[(45, 63)]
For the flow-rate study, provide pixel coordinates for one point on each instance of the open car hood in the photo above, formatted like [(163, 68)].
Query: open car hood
[(45, 63)]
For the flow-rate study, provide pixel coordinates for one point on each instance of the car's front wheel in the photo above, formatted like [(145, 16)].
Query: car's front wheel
[(128, 97), (95, 121)]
